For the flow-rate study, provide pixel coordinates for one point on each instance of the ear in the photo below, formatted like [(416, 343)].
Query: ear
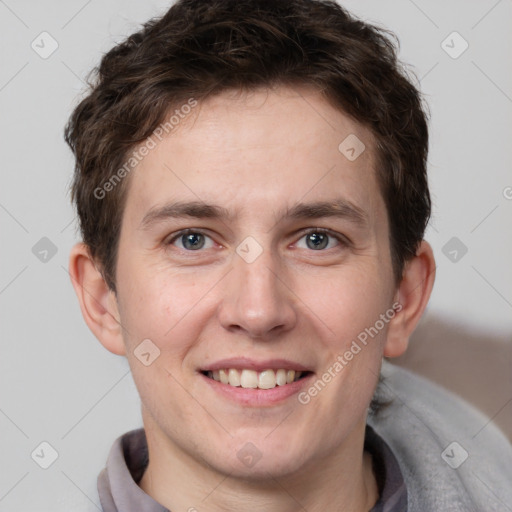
[(97, 302), (411, 298)]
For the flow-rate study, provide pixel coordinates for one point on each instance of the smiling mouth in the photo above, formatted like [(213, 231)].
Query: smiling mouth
[(251, 379)]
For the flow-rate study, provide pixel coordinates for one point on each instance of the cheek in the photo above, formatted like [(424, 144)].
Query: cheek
[(360, 318), (165, 307), (352, 301)]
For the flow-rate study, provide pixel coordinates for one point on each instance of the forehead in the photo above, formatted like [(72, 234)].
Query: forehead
[(258, 151)]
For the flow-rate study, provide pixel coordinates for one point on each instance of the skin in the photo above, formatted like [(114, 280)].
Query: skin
[(255, 154)]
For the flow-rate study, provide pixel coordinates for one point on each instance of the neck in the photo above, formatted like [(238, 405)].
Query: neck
[(343, 480)]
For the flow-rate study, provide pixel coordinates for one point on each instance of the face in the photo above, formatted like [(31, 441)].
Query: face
[(262, 284)]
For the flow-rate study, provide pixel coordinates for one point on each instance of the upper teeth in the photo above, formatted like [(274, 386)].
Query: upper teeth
[(266, 379)]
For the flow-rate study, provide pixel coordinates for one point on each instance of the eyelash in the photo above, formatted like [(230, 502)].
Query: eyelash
[(343, 241)]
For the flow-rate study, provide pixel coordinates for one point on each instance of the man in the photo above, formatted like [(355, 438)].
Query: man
[(252, 194)]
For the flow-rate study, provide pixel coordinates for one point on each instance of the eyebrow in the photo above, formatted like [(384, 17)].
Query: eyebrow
[(338, 208)]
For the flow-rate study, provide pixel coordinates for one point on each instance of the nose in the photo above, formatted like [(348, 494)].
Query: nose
[(256, 299)]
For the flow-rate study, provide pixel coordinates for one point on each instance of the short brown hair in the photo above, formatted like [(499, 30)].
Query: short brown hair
[(198, 49)]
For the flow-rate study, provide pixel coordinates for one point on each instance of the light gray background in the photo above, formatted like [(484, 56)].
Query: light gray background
[(61, 386)]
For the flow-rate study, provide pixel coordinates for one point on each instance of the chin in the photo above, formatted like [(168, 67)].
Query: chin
[(267, 469), (263, 459)]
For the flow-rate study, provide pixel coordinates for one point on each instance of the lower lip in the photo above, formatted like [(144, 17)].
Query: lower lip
[(258, 397)]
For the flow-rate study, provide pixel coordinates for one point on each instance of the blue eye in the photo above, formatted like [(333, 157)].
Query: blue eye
[(192, 240), (318, 238)]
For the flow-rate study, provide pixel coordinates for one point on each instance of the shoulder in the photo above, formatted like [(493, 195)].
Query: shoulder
[(453, 458)]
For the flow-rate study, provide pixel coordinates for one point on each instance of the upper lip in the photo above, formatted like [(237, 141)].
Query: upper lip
[(241, 363)]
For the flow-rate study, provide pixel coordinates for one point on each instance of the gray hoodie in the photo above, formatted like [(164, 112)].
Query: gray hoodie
[(453, 458)]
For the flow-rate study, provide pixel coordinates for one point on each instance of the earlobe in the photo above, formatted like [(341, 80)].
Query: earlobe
[(97, 302), (412, 297)]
